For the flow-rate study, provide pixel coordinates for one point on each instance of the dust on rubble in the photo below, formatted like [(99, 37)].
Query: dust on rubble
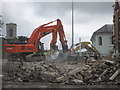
[(97, 73)]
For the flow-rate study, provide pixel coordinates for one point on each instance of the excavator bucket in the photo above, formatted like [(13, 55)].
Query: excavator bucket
[(65, 48)]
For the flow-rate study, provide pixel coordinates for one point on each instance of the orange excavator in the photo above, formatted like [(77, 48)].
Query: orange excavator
[(32, 44)]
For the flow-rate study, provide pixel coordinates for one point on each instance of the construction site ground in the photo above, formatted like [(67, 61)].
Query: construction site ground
[(7, 65), (59, 74), (30, 85)]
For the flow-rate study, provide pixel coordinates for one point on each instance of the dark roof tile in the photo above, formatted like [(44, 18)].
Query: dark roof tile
[(107, 28)]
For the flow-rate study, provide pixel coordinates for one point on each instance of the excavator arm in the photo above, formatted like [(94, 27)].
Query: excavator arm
[(40, 32), (62, 38)]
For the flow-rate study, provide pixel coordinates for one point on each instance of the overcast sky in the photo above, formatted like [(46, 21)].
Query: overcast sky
[(88, 17)]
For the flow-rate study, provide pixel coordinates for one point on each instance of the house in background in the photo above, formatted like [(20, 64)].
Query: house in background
[(102, 40)]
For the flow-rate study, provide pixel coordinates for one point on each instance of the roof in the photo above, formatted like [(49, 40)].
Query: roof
[(11, 23), (107, 28)]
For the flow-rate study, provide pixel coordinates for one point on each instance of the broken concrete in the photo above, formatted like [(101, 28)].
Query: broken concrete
[(115, 75), (99, 72)]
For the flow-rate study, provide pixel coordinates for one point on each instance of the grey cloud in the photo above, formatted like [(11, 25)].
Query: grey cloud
[(63, 9), (92, 11), (52, 10), (60, 9), (94, 7)]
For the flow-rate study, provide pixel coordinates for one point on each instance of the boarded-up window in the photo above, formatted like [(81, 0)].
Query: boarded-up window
[(112, 40), (100, 40), (11, 32)]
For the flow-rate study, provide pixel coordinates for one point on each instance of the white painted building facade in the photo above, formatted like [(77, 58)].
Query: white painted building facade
[(102, 39)]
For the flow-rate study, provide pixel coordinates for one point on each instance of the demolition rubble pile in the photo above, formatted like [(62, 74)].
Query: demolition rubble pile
[(100, 72)]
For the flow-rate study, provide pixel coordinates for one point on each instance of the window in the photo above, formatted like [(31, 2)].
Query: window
[(100, 40), (112, 39), (11, 32)]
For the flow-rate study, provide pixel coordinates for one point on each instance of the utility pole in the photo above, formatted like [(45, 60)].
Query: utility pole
[(72, 25), (80, 46)]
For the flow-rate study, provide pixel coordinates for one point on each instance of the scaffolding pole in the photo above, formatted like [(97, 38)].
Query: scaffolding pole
[(80, 47)]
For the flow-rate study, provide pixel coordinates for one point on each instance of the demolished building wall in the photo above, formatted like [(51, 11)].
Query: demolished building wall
[(116, 21)]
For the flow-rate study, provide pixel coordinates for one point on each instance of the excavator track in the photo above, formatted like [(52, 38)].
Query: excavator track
[(35, 57)]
